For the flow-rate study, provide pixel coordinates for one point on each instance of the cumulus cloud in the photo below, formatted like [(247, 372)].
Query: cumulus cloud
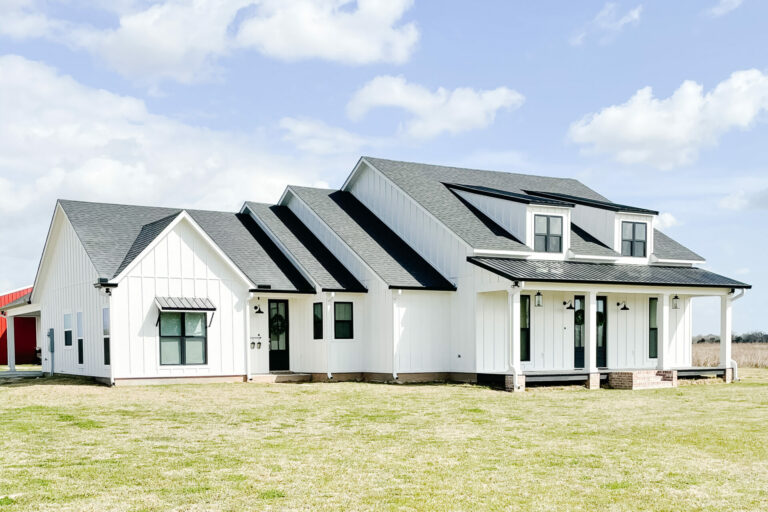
[(183, 41), (314, 136), (433, 112), (671, 132), (607, 24), (723, 7), (666, 220), (743, 200), (61, 139)]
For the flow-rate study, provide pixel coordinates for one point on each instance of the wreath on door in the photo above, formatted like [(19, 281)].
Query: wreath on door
[(277, 325), (578, 317), (600, 319)]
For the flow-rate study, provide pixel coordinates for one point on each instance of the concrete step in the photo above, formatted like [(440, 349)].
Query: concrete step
[(275, 378)]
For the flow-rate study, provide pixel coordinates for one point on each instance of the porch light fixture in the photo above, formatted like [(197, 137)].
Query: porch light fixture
[(676, 302), (257, 310), (623, 306), (568, 305), (538, 300)]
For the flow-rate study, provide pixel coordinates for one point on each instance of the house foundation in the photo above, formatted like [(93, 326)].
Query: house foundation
[(643, 379)]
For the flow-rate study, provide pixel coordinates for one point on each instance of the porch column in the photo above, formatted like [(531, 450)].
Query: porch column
[(590, 350), (726, 328), (11, 338), (513, 308), (664, 333)]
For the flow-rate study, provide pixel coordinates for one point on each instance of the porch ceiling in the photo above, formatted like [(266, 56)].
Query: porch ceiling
[(604, 273)]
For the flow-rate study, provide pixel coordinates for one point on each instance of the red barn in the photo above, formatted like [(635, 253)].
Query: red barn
[(25, 331)]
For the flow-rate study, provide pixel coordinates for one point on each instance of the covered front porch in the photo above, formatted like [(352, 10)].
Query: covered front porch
[(21, 309), (534, 325)]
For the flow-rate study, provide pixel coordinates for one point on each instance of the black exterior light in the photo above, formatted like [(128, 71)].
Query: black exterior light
[(257, 310), (538, 300), (623, 306), (676, 302), (568, 305)]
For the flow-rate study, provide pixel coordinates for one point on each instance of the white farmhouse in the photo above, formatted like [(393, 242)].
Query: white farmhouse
[(409, 273)]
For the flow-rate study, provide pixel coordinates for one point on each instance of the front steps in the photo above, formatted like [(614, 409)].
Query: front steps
[(643, 379), (280, 377)]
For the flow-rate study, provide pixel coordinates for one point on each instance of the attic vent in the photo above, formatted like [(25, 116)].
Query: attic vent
[(264, 286)]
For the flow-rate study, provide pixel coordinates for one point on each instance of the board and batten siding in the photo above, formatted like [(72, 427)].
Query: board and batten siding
[(181, 264), (65, 286), (422, 334)]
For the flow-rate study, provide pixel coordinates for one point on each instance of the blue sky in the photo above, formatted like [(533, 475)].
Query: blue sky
[(206, 104)]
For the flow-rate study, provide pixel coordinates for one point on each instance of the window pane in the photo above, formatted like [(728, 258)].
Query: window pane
[(525, 344), (80, 351), (68, 338), (626, 231), (67, 321), (639, 250), (540, 224), (170, 324), (540, 243), (105, 320), (653, 345), (194, 351), (343, 330), (653, 305), (170, 351), (317, 315), (626, 248), (343, 311), (640, 231), (555, 225), (194, 324), (555, 244), (525, 311), (79, 325), (106, 352)]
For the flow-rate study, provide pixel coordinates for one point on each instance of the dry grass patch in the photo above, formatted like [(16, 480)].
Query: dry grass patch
[(354, 446), (746, 355)]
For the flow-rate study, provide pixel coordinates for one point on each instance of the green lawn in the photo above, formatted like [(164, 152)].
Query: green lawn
[(65, 445)]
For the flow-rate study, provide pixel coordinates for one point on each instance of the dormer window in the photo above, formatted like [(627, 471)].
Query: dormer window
[(634, 239), (548, 233)]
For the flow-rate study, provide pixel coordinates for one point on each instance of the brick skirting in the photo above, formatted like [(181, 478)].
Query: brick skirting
[(643, 379)]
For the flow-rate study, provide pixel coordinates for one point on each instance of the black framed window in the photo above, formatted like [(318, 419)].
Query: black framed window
[(653, 329), (548, 233), (183, 339), (105, 327), (342, 321), (634, 239), (68, 330), (80, 355), (317, 320), (525, 328)]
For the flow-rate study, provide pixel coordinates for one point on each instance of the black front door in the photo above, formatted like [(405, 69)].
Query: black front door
[(578, 332), (602, 332), (278, 335)]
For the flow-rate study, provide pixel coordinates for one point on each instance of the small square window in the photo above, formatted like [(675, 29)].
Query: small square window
[(548, 233), (634, 239)]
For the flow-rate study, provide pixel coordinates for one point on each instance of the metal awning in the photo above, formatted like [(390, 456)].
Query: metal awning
[(603, 273), (184, 304)]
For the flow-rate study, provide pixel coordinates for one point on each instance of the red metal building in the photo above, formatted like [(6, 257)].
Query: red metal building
[(24, 329)]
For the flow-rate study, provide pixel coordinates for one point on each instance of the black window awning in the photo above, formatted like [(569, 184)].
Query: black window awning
[(603, 273), (184, 304)]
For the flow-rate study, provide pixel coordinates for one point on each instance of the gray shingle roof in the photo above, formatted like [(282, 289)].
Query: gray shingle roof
[(605, 273), (584, 244), (425, 184), (329, 273), (114, 235), (667, 249), (375, 243)]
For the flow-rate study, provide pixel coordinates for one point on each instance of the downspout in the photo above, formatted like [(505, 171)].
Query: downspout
[(326, 319), (394, 333), (733, 361), (248, 337)]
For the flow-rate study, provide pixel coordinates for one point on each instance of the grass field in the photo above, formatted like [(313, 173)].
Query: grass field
[(65, 445), (746, 355)]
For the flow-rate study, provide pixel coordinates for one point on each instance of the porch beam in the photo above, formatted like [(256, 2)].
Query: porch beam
[(623, 289), (664, 334), (726, 328), (11, 343)]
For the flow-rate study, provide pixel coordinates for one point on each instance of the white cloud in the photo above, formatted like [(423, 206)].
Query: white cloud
[(183, 41), (666, 220), (61, 139), (434, 112), (743, 200), (671, 132), (314, 136), (723, 7), (329, 29), (607, 24)]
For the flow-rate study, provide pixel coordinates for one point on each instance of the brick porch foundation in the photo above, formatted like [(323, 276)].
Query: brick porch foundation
[(509, 382), (728, 375), (643, 379)]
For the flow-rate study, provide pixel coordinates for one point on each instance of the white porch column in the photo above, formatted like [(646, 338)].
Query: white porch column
[(513, 308), (11, 337), (590, 349), (664, 333), (726, 328)]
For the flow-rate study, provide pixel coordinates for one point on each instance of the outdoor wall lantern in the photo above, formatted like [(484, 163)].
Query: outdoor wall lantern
[(538, 300), (623, 306), (568, 305), (676, 302), (257, 343), (257, 310)]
